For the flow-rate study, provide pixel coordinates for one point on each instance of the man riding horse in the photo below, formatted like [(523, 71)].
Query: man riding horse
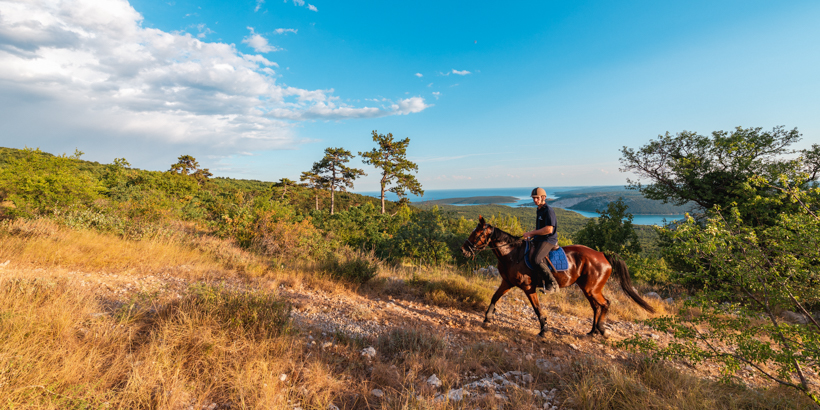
[(544, 239)]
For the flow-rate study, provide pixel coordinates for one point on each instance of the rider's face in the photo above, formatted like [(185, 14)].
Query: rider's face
[(539, 200)]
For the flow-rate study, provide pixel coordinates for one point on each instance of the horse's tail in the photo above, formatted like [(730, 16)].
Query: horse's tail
[(620, 269)]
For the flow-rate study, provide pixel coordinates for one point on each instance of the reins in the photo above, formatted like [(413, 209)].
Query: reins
[(474, 247)]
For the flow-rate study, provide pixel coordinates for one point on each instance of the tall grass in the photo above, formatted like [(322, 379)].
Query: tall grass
[(640, 384), (46, 244)]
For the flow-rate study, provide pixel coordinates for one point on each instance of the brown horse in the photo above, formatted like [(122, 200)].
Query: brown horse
[(588, 268)]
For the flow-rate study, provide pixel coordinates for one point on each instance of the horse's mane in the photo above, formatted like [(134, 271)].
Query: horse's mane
[(506, 237)]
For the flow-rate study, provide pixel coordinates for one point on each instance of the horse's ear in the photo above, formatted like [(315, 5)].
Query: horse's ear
[(481, 220)]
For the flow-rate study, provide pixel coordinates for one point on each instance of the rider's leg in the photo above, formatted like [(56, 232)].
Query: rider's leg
[(550, 284)]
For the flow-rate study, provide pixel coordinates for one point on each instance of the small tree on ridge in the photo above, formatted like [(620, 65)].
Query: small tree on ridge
[(391, 158), (335, 173)]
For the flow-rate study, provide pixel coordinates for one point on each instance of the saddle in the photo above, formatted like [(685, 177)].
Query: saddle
[(557, 258)]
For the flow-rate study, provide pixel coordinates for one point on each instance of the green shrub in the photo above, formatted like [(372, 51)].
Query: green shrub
[(649, 270), (37, 182), (356, 268)]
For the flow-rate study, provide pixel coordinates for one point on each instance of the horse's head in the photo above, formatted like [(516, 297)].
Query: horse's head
[(479, 238)]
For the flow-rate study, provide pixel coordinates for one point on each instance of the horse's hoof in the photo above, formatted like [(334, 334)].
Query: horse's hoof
[(486, 324), (542, 334)]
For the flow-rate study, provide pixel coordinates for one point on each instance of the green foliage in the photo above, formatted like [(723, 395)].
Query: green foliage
[(424, 239), (332, 172), (391, 158), (717, 170), (39, 183), (187, 165), (362, 227), (649, 269), (748, 274), (356, 268), (612, 231)]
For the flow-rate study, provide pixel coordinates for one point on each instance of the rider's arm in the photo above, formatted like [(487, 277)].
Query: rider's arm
[(543, 231)]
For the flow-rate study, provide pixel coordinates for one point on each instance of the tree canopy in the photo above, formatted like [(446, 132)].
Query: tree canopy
[(752, 255), (187, 165), (717, 169), (612, 231), (391, 158)]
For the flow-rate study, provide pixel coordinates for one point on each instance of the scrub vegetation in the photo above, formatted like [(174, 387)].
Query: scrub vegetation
[(209, 323)]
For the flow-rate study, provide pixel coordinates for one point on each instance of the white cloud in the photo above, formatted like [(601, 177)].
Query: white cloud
[(436, 94), (464, 72), (419, 75), (259, 4), (258, 43), (87, 74), (203, 30), (299, 3), (285, 30), (312, 7)]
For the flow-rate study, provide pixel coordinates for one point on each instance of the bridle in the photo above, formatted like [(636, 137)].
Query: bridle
[(482, 243)]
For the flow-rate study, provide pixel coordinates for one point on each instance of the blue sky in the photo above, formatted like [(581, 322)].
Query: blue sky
[(490, 94)]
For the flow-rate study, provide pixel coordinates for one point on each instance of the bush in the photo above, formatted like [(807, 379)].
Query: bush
[(400, 342), (356, 268), (38, 183)]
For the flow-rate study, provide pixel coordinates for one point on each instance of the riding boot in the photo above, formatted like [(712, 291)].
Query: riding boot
[(550, 284)]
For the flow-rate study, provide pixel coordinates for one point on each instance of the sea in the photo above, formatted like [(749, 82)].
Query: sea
[(522, 195)]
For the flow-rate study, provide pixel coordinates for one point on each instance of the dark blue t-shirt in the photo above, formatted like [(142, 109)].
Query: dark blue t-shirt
[(545, 216)]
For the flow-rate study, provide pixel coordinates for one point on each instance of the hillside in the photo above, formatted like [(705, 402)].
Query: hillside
[(125, 288), (595, 199), (97, 319)]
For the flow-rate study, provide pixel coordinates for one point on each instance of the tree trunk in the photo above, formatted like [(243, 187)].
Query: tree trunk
[(317, 199), (382, 199), (332, 200)]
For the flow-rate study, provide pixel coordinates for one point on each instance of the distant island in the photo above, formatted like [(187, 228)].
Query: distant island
[(473, 200)]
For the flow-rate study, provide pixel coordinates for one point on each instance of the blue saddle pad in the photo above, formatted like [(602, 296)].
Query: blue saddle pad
[(558, 258)]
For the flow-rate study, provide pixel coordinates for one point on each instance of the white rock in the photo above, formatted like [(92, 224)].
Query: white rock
[(332, 406), (652, 295), (527, 378), (669, 301), (283, 377), (369, 352), (457, 394), (377, 392), (434, 381)]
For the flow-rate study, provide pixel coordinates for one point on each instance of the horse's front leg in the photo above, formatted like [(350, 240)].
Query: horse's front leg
[(503, 288), (536, 306)]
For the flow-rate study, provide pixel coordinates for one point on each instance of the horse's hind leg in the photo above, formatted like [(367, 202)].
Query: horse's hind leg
[(602, 316), (536, 306), (503, 288), (600, 307)]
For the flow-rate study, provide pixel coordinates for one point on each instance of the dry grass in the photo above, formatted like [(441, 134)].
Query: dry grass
[(571, 301), (642, 384), (64, 346), (62, 349), (45, 244)]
